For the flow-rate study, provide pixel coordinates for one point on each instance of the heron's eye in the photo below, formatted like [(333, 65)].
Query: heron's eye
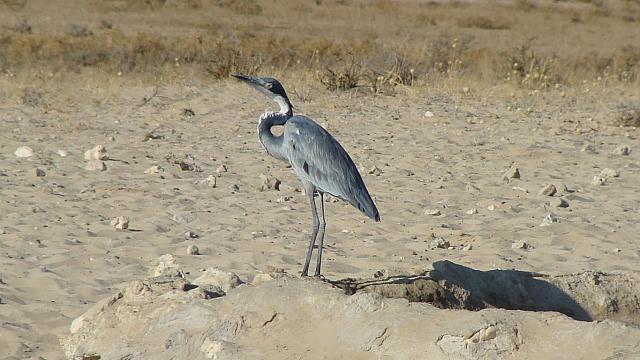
[(269, 86)]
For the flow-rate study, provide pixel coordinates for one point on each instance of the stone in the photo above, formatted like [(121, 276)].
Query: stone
[(428, 114), (23, 152), (167, 266), (211, 181), (472, 211), (221, 169), (588, 148), (433, 212), (193, 250), (62, 153), (598, 181), (548, 190), (37, 172), (622, 150), (98, 152), (439, 243), (375, 171), (549, 219), (95, 165), (609, 173), (216, 277), (120, 222), (467, 247), (512, 173), (520, 244), (491, 207), (191, 235), (154, 170), (559, 202), (269, 183)]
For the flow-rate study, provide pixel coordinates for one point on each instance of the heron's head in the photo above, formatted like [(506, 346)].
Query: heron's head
[(268, 86)]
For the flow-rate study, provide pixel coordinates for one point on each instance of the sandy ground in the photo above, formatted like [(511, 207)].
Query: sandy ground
[(60, 254)]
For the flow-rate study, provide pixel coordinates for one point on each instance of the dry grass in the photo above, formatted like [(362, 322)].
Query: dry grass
[(374, 45)]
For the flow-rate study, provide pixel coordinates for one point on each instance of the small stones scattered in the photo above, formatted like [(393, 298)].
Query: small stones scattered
[(62, 153), (375, 171), (221, 169), (439, 243), (186, 162), (120, 222), (598, 181), (548, 190), (37, 172), (512, 173), (549, 219), (98, 152), (433, 212), (269, 183), (95, 165), (520, 244), (622, 150), (193, 250), (154, 170), (23, 152), (472, 211), (559, 202), (609, 173)]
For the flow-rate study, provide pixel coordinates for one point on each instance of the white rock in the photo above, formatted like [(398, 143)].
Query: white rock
[(62, 153), (559, 202), (491, 207), (216, 277), (121, 222), (95, 165), (549, 219), (467, 247), (609, 173), (211, 181), (433, 212), (193, 250), (622, 150), (519, 244), (512, 173), (440, 243), (98, 152), (428, 114), (269, 183), (154, 170), (23, 152), (222, 168), (472, 211), (598, 181), (167, 265), (548, 190)]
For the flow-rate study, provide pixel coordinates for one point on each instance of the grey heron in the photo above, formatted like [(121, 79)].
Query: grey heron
[(316, 157)]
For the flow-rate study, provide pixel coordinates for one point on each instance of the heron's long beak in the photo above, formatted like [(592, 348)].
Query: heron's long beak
[(254, 82)]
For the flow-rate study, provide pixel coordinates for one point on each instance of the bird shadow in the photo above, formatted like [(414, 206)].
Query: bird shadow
[(454, 286)]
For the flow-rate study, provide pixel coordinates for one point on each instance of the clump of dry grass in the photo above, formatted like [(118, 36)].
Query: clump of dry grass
[(628, 115), (484, 22), (529, 69)]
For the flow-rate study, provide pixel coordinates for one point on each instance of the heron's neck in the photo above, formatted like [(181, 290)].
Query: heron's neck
[(274, 144)]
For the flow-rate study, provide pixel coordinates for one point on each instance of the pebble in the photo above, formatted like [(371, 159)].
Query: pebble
[(616, 250), (440, 243), (211, 181), (216, 277), (491, 207), (548, 190), (622, 150), (512, 173), (472, 211), (37, 172), (235, 188), (154, 170), (191, 235), (222, 168), (433, 212), (62, 153), (375, 171), (609, 173), (98, 152), (269, 183), (428, 114), (23, 152), (598, 181), (283, 199), (120, 222), (520, 244), (559, 202), (467, 247), (588, 148), (549, 219), (193, 250), (95, 165)]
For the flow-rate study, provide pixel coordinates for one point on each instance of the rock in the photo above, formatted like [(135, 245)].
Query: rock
[(598, 181), (428, 114), (622, 150), (549, 219), (23, 152), (472, 211), (375, 171), (282, 199), (512, 173), (269, 183), (211, 181), (559, 202), (520, 244), (235, 188), (216, 277), (191, 235), (193, 250), (95, 165), (98, 152), (467, 247), (433, 212), (167, 266), (121, 222), (154, 170), (62, 153), (37, 172), (548, 190), (616, 250), (491, 207), (609, 173), (221, 169), (588, 148), (439, 243)]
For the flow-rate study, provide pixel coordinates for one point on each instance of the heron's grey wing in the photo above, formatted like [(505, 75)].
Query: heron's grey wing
[(318, 158)]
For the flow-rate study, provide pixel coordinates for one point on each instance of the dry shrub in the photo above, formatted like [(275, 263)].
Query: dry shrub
[(531, 70), (344, 78), (446, 54), (628, 115), (484, 22), (242, 7)]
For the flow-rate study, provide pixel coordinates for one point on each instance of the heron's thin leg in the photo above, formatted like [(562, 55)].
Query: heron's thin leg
[(312, 241), (320, 236)]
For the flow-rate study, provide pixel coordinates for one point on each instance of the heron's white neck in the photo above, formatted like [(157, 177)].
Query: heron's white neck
[(285, 106)]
